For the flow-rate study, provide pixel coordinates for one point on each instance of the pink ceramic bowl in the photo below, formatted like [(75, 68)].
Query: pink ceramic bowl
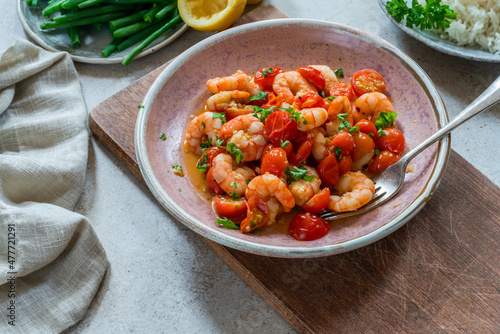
[(180, 91)]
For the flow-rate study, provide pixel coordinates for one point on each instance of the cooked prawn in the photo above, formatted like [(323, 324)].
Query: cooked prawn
[(355, 189), (311, 118), (201, 125), (230, 177), (303, 190), (320, 144), (237, 81), (267, 186), (288, 84), (329, 75), (369, 106), (248, 134), (339, 105), (234, 99)]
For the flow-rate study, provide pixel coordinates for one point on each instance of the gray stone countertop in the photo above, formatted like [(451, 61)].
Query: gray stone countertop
[(162, 278)]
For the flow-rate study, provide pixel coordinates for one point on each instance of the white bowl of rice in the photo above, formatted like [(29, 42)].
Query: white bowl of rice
[(474, 34)]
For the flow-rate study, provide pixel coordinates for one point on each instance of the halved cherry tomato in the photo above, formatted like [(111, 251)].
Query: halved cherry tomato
[(257, 214), (288, 147), (212, 184), (265, 76), (303, 151), (227, 207), (314, 76), (383, 160), (394, 140), (342, 89), (309, 100), (273, 100), (328, 170), (274, 162), (367, 127), (344, 141), (280, 127), (364, 144), (345, 165), (366, 81), (306, 226), (212, 152), (319, 202)]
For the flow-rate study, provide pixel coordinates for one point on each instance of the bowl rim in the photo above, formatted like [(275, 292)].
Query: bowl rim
[(440, 160)]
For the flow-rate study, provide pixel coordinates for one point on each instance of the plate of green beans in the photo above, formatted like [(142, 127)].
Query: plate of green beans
[(102, 31)]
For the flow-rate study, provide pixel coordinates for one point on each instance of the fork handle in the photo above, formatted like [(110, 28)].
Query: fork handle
[(487, 99)]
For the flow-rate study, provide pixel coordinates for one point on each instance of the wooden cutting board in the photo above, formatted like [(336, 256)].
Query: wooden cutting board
[(438, 273)]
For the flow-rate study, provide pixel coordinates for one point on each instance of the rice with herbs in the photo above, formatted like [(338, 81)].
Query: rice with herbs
[(477, 23)]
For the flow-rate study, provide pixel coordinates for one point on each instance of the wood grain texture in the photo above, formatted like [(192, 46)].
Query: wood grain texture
[(438, 273)]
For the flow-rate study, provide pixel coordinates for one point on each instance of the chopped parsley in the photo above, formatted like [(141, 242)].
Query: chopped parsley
[(267, 71), (284, 144), (297, 173), (220, 115), (202, 124), (201, 165), (386, 119), (177, 168), (247, 181), (235, 152), (433, 16), (227, 223), (344, 124), (376, 152), (295, 115), (219, 142), (339, 73), (234, 184), (205, 144), (262, 114), (331, 98), (163, 137), (261, 96), (256, 232), (234, 196), (141, 107), (370, 134), (338, 152)]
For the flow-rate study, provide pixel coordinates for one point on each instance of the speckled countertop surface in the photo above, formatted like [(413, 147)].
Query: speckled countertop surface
[(162, 278)]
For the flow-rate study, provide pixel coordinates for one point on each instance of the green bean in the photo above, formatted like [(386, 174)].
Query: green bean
[(111, 47), (82, 22), (68, 4), (165, 11), (127, 20), (131, 29), (74, 34), (150, 39), (118, 2), (140, 35), (52, 8), (90, 12), (89, 3), (150, 15)]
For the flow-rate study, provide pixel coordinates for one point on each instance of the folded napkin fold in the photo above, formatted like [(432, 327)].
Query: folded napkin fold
[(51, 261)]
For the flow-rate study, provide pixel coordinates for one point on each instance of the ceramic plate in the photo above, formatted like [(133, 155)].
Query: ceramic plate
[(443, 45), (93, 41), (180, 91)]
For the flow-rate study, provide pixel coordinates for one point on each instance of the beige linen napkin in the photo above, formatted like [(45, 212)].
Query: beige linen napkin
[(51, 262)]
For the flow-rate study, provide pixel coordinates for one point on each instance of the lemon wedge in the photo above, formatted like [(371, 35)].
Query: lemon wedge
[(210, 15)]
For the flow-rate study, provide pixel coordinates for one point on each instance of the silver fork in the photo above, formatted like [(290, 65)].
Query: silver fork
[(392, 178)]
